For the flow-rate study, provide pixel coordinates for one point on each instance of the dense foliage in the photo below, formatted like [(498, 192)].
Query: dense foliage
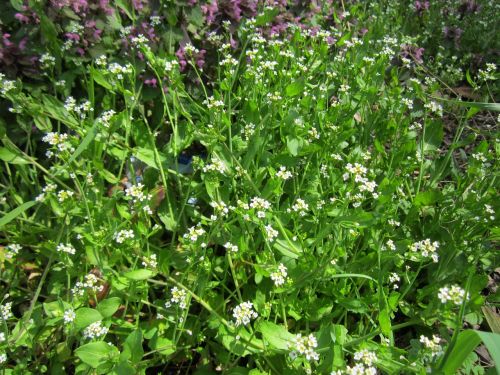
[(249, 187)]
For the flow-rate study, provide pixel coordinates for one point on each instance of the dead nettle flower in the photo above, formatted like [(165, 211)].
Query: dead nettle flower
[(432, 344), (243, 313), (279, 276), (123, 235), (190, 53), (66, 248), (12, 250), (454, 294), (150, 261), (426, 249), (90, 283), (304, 345), (95, 330)]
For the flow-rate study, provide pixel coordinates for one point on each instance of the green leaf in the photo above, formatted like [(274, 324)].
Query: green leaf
[(141, 274), (148, 156), (427, 198), (109, 306), (492, 318), (96, 354), (132, 348), (11, 157), (276, 335), (433, 135), (385, 322), (295, 88), (15, 213), (284, 248), (495, 107), (89, 137), (294, 145), (492, 343), (465, 344), (86, 316), (43, 123), (100, 79)]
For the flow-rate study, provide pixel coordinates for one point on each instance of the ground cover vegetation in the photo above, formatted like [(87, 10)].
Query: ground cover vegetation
[(249, 187)]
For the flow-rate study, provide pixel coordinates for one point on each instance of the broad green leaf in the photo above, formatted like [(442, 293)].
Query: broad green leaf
[(492, 318), (284, 248), (492, 343), (89, 137), (147, 156), (15, 213), (465, 344), (141, 274), (132, 348), (385, 322), (275, 334), (100, 79), (427, 198), (433, 135), (108, 306), (295, 88), (86, 316), (11, 157), (294, 145), (96, 354)]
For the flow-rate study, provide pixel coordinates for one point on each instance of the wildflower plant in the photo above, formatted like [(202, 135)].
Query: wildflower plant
[(246, 187)]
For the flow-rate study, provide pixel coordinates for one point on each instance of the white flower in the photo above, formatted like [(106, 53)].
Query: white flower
[(69, 316), (178, 297), (300, 206), (12, 250), (454, 294), (95, 330), (284, 174), (279, 276), (365, 356), (5, 311), (271, 233), (64, 195), (230, 246), (216, 165), (194, 232), (91, 282), (426, 248), (135, 192), (106, 117), (150, 261), (432, 344), (243, 313), (3, 358), (123, 235), (305, 345), (66, 248)]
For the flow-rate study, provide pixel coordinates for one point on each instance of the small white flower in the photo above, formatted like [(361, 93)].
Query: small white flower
[(95, 330), (178, 297), (271, 233), (454, 294), (69, 316), (123, 235), (305, 345), (284, 174), (231, 247), (5, 311), (66, 248), (279, 276), (243, 313)]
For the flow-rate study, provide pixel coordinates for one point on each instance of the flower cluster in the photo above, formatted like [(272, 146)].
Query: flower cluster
[(12, 250), (243, 313), (300, 206), (66, 248), (432, 344), (231, 247), (216, 165), (279, 276), (271, 233), (64, 195), (137, 194), (58, 140), (426, 249), (69, 316), (194, 233), (90, 283), (359, 172), (304, 345), (106, 117), (5, 311), (454, 294), (178, 297), (283, 173), (259, 204), (123, 235), (150, 261), (364, 360), (95, 330)]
